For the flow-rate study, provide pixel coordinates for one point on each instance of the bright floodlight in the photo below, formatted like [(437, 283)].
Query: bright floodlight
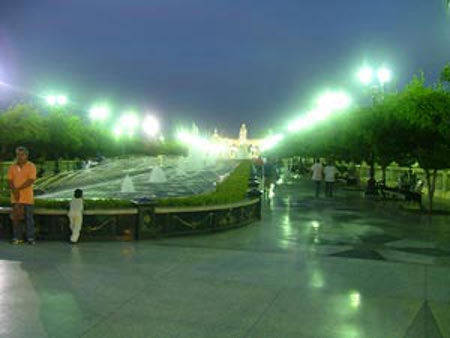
[(332, 101), (327, 104), (189, 138), (150, 126), (384, 75), (129, 121), (199, 143), (117, 131), (62, 100), (365, 75), (304, 122), (271, 142), (99, 113), (51, 100)]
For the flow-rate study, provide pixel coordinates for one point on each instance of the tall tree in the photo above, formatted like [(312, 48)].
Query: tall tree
[(427, 112), (21, 125)]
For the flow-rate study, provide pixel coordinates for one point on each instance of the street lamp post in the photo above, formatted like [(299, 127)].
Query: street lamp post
[(366, 76)]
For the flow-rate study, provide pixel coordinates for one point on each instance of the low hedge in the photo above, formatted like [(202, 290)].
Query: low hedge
[(64, 203), (231, 189)]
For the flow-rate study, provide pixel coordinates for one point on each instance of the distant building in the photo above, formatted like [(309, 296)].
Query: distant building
[(241, 147)]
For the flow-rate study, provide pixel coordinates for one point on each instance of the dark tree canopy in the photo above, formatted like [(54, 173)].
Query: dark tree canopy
[(409, 126), (59, 134)]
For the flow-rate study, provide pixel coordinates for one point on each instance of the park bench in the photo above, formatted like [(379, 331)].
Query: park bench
[(413, 195)]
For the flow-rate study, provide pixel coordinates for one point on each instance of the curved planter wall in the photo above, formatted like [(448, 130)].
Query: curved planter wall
[(142, 222)]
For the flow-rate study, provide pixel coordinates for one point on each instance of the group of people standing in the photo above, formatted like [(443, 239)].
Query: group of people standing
[(21, 177), (325, 173)]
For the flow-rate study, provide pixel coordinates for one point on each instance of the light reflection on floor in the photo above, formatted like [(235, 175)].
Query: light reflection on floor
[(276, 278)]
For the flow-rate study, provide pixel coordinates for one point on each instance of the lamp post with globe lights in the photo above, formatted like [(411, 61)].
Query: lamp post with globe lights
[(56, 100), (377, 79)]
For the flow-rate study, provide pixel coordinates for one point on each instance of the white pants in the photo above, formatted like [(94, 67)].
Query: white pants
[(76, 221)]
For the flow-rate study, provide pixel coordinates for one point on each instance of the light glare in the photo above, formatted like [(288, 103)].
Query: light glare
[(384, 75), (271, 141), (129, 121), (117, 131), (151, 126), (51, 100), (327, 104), (333, 101), (99, 113), (365, 75), (62, 100), (201, 144)]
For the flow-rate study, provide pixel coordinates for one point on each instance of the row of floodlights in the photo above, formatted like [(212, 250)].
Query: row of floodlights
[(127, 123), (329, 103)]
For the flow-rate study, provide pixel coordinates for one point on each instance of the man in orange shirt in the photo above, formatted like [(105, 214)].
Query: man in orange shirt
[(21, 177)]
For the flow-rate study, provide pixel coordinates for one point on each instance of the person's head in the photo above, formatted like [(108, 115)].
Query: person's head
[(22, 155), (78, 193)]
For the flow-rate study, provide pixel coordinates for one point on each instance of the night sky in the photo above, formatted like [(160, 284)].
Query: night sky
[(217, 62)]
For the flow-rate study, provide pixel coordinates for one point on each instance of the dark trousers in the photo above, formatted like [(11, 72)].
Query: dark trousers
[(318, 183), (29, 220), (329, 188)]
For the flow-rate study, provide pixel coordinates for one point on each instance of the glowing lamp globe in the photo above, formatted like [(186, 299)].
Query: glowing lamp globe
[(151, 126), (365, 75)]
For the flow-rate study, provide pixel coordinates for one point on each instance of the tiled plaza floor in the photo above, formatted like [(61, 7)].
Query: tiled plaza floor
[(341, 267)]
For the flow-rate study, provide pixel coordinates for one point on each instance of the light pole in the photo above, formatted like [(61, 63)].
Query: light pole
[(366, 76), (377, 79)]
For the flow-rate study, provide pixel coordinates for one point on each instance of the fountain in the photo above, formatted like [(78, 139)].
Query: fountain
[(181, 167), (157, 175), (137, 177), (127, 185)]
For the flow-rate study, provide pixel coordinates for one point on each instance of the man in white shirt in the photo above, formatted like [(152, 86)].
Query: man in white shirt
[(330, 176), (317, 171)]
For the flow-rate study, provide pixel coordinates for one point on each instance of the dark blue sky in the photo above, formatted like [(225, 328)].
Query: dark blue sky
[(218, 62)]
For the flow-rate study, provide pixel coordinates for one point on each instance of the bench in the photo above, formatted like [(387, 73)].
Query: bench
[(413, 195)]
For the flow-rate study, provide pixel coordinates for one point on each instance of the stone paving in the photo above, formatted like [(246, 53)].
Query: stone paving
[(326, 267)]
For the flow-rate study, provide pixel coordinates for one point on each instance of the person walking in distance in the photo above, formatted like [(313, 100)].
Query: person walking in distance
[(21, 176), (330, 176), (76, 215), (317, 171)]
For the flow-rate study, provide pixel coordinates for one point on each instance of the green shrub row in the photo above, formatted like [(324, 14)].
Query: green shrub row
[(64, 203), (232, 189)]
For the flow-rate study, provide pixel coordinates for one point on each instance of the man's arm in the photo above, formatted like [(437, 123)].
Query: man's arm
[(14, 191), (29, 182)]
